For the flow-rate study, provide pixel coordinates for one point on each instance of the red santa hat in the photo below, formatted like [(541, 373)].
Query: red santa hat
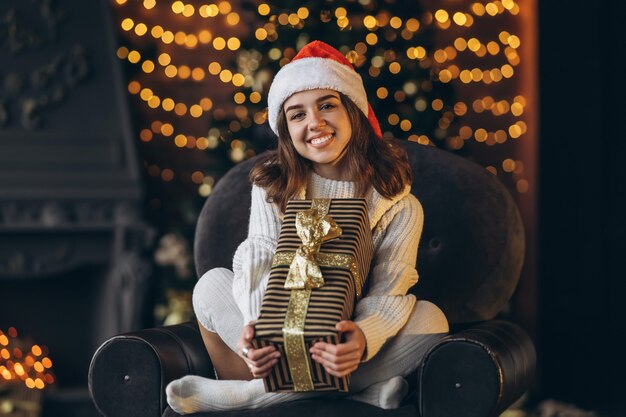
[(318, 65)]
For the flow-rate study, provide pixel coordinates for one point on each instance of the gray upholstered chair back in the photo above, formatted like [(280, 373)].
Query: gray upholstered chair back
[(471, 251)]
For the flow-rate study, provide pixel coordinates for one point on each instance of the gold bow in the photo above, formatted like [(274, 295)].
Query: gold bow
[(314, 227)]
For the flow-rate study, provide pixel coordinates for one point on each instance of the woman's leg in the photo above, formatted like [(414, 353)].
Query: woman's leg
[(380, 381), (220, 323)]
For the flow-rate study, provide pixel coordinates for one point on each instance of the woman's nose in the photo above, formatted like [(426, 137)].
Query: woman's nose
[(316, 121)]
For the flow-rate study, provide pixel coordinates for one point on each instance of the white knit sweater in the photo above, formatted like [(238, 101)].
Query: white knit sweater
[(396, 228)]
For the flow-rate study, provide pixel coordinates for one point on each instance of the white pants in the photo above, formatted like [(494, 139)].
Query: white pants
[(217, 312)]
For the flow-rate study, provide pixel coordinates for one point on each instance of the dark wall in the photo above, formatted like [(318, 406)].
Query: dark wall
[(582, 188)]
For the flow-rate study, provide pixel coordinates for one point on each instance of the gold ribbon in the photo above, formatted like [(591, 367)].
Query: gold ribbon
[(314, 227)]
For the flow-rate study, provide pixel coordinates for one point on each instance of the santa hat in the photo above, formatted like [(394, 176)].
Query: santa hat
[(318, 65)]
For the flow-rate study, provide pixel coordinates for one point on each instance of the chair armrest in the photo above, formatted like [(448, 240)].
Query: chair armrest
[(128, 373), (477, 372)]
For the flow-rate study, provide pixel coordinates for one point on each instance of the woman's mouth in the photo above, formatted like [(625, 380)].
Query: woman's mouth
[(320, 140)]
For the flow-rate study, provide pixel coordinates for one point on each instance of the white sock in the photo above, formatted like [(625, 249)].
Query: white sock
[(192, 394), (387, 394)]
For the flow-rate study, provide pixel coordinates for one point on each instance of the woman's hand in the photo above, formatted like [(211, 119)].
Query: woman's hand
[(260, 361), (344, 358)]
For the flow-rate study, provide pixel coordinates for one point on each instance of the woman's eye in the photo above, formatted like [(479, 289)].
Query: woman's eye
[(326, 106), (295, 116)]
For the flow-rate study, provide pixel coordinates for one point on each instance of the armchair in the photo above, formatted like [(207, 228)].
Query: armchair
[(469, 260)]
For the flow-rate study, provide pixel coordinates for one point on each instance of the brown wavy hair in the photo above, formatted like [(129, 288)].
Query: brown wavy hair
[(372, 161)]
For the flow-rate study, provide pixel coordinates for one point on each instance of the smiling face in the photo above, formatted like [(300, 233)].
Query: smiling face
[(320, 130)]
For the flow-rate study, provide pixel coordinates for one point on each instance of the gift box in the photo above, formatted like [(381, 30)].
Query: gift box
[(322, 259)]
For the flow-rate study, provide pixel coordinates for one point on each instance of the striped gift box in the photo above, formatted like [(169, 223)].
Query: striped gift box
[(327, 305)]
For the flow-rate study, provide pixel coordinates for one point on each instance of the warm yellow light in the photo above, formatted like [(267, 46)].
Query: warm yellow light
[(214, 68), (39, 383), (303, 13), (395, 22), (340, 12), (239, 98), (515, 131), (260, 34), (30, 383), (293, 19), (120, 2), (419, 52), (206, 103), (167, 104), (47, 363), (188, 10), (480, 135), (184, 72), (19, 369), (171, 71), (275, 54), (445, 76), (460, 44), (204, 36), (382, 93), (4, 340), (147, 66), (393, 119), (156, 31), (164, 59), (520, 99), (459, 18), (198, 74), (167, 129), (180, 38), (219, 43), (134, 87), (224, 7), (232, 18), (154, 102), (522, 186), (180, 140), (371, 39), (465, 76), (493, 48), (211, 11), (191, 41), (195, 110), (127, 24), (514, 41), (394, 67), (437, 104), (500, 136), (263, 9), (473, 44), (491, 9), (233, 43), (478, 9), (369, 22), (507, 71), (405, 125), (226, 76), (167, 37), (441, 16), (149, 4), (178, 7), (238, 80), (145, 94), (504, 37), (440, 56), (413, 24), (508, 4)]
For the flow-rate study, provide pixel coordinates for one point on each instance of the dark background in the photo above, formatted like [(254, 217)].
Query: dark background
[(582, 182)]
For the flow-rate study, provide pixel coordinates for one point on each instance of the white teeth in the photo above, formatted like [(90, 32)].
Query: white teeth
[(323, 139)]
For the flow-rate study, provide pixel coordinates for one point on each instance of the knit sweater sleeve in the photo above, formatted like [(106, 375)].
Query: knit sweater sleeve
[(386, 306), (253, 258)]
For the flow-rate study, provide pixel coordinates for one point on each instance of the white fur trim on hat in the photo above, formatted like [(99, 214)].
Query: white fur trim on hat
[(310, 74)]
